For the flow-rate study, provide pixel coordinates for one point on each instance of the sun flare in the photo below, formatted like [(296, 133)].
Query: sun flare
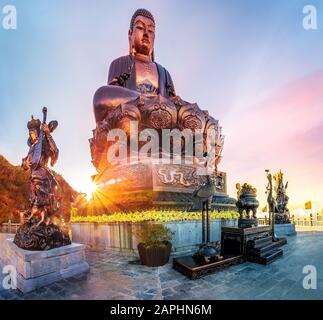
[(90, 189)]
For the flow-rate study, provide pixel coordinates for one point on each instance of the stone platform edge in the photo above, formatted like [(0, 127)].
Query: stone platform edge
[(36, 269)]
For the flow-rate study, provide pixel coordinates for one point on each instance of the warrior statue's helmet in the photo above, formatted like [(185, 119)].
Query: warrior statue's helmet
[(36, 123), (33, 124)]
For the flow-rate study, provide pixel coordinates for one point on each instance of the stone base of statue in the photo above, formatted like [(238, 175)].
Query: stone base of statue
[(31, 236), (286, 229), (36, 269), (149, 184)]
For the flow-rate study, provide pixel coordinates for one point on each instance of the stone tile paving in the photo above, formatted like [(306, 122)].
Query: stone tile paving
[(114, 275)]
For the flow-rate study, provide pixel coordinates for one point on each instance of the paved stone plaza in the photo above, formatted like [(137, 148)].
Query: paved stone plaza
[(116, 276)]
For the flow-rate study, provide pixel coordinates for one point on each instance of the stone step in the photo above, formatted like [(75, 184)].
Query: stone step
[(272, 256), (264, 248), (281, 241), (267, 258), (259, 242)]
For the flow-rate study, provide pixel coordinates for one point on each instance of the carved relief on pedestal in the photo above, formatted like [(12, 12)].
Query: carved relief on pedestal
[(122, 116), (190, 116), (158, 112), (213, 124), (127, 177), (178, 176), (99, 145)]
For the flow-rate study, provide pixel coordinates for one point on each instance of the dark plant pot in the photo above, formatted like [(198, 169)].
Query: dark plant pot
[(154, 256)]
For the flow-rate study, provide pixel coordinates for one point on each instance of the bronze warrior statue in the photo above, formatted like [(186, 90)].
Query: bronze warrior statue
[(38, 232), (281, 212)]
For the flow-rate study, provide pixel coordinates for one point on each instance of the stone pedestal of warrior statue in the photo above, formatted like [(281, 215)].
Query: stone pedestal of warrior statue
[(140, 95)]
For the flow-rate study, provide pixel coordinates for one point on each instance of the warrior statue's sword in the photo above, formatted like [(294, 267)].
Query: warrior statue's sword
[(38, 148)]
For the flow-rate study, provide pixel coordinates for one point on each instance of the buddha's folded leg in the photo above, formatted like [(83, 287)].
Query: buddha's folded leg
[(109, 97)]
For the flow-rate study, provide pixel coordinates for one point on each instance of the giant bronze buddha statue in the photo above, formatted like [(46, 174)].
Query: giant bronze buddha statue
[(139, 89), (137, 73)]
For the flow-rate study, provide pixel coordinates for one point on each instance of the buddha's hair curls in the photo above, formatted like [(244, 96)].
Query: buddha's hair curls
[(140, 12)]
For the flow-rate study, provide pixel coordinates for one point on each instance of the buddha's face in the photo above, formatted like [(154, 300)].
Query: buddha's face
[(142, 36), (33, 134)]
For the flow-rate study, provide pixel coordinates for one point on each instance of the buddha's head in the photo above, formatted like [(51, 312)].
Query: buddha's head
[(142, 33)]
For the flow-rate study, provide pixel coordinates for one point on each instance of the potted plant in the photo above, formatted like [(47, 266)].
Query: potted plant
[(154, 244)]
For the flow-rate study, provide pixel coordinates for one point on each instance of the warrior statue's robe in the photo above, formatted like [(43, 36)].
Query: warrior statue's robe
[(43, 183)]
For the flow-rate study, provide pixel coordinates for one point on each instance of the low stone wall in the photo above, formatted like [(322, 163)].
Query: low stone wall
[(287, 229), (121, 236)]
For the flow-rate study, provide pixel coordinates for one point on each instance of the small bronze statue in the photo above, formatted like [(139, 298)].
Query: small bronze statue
[(281, 213), (38, 232), (247, 202)]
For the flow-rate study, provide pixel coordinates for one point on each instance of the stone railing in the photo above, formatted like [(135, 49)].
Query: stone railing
[(305, 222), (9, 227)]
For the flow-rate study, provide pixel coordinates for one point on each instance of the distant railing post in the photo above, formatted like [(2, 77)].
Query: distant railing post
[(9, 227)]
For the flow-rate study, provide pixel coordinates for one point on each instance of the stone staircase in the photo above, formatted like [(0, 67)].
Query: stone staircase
[(264, 250)]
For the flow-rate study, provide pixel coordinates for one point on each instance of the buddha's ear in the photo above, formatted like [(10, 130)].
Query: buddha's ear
[(130, 41), (129, 34)]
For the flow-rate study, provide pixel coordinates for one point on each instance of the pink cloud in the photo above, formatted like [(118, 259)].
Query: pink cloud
[(284, 131)]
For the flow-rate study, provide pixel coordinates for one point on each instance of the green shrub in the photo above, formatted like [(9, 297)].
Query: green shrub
[(153, 234)]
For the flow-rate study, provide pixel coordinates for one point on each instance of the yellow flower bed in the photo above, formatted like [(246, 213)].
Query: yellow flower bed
[(153, 215)]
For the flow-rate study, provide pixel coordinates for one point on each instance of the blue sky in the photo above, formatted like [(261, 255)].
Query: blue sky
[(236, 58)]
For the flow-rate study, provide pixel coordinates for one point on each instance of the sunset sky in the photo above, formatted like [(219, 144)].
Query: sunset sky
[(250, 63)]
